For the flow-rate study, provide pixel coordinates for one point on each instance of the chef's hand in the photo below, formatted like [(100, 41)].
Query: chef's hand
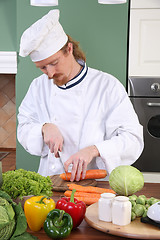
[(53, 138), (80, 160)]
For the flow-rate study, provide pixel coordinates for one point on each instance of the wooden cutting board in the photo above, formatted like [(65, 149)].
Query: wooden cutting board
[(135, 229), (61, 185)]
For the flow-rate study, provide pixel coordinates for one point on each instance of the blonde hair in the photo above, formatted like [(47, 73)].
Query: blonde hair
[(77, 51)]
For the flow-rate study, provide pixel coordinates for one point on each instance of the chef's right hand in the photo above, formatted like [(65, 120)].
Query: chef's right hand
[(53, 138)]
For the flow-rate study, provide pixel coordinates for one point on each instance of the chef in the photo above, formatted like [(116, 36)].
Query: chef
[(73, 114)]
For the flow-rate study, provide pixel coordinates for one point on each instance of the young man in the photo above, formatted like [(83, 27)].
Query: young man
[(73, 112)]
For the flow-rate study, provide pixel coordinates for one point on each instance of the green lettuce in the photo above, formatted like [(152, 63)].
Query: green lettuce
[(19, 183)]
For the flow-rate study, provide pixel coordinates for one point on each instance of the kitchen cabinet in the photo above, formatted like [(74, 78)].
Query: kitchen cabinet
[(144, 38), (8, 62)]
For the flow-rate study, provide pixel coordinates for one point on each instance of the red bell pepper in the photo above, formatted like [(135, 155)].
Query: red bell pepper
[(76, 209)]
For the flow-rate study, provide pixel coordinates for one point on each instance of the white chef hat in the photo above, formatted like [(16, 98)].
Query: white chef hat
[(43, 38)]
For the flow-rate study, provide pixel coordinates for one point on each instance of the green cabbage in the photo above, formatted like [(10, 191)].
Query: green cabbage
[(13, 223), (126, 180), (7, 219)]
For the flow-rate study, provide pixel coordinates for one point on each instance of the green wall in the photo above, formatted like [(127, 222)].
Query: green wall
[(100, 29), (8, 25)]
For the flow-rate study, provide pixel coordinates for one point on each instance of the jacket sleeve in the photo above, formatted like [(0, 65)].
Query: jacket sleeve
[(123, 142), (29, 130)]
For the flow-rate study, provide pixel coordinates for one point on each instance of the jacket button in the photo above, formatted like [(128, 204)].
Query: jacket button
[(52, 167)]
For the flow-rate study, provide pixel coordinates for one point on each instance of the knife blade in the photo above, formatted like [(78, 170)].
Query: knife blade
[(62, 165)]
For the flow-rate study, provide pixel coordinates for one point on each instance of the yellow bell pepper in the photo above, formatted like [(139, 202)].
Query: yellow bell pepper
[(36, 210)]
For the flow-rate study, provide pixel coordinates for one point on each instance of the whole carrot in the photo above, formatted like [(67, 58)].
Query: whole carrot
[(82, 194), (89, 189), (88, 200), (90, 174)]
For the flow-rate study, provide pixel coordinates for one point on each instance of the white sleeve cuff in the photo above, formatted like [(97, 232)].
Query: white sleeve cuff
[(109, 154), (35, 140)]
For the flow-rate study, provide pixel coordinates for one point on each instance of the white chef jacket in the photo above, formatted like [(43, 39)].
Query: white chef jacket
[(91, 109)]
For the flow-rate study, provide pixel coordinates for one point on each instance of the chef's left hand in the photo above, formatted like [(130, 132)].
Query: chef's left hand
[(80, 160)]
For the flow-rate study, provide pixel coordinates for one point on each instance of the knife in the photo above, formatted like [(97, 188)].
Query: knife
[(62, 165)]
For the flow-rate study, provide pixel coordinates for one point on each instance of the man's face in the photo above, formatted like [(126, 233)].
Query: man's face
[(58, 66)]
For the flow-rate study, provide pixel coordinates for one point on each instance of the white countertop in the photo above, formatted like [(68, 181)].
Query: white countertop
[(150, 177)]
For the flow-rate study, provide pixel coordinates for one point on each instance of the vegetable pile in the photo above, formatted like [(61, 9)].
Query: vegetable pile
[(88, 194), (126, 180), (140, 205), (19, 183), (13, 222)]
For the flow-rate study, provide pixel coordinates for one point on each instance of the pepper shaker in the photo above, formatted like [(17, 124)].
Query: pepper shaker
[(121, 211), (105, 207)]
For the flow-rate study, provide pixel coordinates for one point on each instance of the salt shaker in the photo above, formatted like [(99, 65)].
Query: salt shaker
[(105, 207), (121, 211)]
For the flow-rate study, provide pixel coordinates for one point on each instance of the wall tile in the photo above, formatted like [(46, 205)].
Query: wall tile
[(10, 142), (3, 99), (14, 99), (9, 89), (7, 111), (4, 117), (4, 79), (9, 108), (3, 135), (10, 126)]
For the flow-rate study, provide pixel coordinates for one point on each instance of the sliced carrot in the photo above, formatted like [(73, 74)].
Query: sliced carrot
[(88, 200), (90, 174), (89, 189), (82, 194)]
